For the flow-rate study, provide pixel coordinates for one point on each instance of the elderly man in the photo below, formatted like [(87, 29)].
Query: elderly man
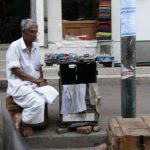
[(25, 78)]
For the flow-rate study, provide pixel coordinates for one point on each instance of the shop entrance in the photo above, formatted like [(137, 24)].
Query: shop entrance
[(11, 13)]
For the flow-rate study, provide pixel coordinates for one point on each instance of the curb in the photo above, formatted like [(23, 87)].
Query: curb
[(67, 140), (102, 79)]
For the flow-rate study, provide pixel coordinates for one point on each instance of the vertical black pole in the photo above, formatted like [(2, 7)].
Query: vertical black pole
[(128, 59)]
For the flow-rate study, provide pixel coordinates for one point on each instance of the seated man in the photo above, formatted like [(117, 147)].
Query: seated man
[(25, 78)]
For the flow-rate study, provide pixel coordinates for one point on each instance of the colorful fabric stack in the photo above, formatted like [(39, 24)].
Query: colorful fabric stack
[(104, 20), (51, 58)]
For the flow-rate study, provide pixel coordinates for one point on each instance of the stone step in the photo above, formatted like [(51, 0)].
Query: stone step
[(53, 71), (2, 74), (3, 55), (110, 74), (4, 46), (3, 50), (51, 139), (2, 64), (87, 148), (48, 138)]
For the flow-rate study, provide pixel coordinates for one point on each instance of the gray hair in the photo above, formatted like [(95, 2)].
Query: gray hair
[(27, 23)]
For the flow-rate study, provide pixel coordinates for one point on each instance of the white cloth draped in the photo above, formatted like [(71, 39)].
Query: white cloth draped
[(73, 98)]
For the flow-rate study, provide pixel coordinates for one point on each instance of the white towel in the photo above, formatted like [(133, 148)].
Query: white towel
[(48, 92), (73, 99)]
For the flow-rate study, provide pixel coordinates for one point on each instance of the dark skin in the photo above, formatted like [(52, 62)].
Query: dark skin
[(29, 36)]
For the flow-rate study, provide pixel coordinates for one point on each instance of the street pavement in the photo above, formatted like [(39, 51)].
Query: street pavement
[(110, 107), (110, 88)]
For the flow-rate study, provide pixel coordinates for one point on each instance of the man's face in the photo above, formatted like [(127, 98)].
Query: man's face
[(31, 33)]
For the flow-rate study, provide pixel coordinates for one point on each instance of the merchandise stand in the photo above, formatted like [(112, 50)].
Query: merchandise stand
[(103, 35), (79, 73)]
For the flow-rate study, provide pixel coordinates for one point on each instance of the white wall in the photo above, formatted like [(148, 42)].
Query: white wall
[(54, 21), (142, 20), (40, 21), (142, 24), (115, 13)]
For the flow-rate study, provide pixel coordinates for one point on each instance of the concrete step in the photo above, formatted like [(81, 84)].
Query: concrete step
[(87, 148), (3, 50), (106, 75), (52, 71), (49, 138), (2, 64)]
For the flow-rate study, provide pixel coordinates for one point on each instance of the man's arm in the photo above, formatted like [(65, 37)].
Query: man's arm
[(22, 75), (41, 72)]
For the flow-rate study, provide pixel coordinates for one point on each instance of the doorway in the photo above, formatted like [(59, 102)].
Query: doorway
[(79, 18), (11, 13)]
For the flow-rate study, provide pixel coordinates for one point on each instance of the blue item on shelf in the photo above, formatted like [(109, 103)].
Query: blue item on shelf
[(105, 58)]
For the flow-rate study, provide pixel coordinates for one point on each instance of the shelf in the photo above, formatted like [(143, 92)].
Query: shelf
[(104, 21)]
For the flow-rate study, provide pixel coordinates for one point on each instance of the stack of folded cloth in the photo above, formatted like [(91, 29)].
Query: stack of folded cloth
[(51, 58), (104, 20)]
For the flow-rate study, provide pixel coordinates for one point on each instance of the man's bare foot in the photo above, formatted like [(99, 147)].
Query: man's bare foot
[(25, 130)]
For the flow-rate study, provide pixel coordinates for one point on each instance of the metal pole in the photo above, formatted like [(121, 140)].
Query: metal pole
[(128, 59)]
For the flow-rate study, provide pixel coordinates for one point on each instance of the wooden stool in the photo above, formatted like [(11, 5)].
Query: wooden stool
[(13, 108)]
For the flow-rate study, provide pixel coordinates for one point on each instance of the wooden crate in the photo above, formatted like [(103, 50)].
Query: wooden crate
[(129, 133)]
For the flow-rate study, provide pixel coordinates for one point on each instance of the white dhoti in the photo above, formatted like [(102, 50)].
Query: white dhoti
[(33, 99)]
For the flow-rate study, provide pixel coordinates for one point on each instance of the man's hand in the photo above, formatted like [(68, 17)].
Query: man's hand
[(22, 75), (41, 82)]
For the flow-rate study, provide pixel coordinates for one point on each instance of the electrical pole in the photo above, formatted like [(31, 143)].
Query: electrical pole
[(128, 59)]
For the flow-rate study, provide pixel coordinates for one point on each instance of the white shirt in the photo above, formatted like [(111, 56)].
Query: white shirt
[(19, 56)]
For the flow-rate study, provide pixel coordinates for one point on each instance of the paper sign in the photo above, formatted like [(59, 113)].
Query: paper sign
[(128, 18)]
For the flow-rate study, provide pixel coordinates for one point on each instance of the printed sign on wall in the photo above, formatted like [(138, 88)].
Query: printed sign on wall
[(128, 10)]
